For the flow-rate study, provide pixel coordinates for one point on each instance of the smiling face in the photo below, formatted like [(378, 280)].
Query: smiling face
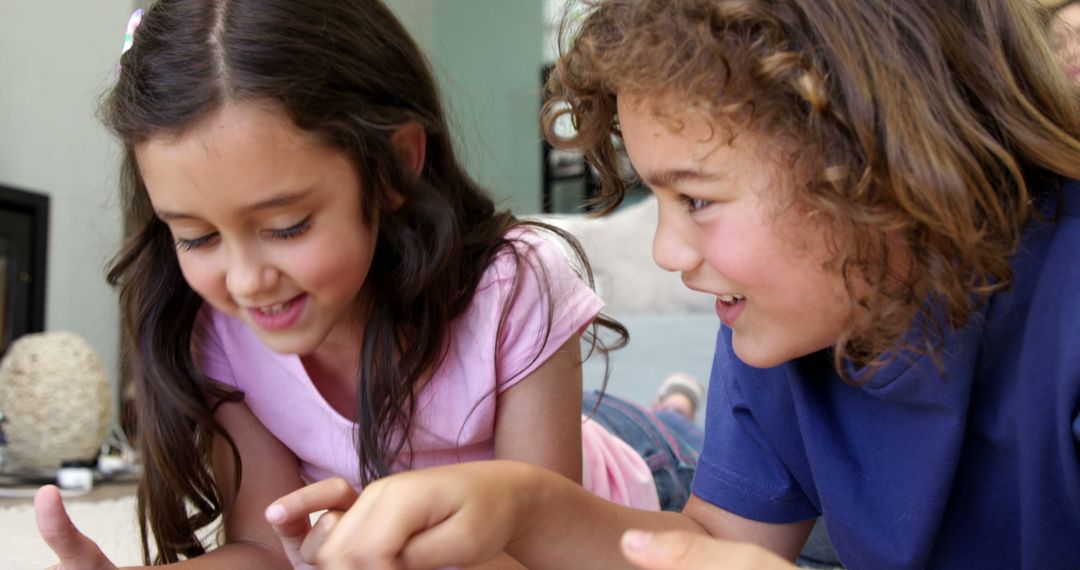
[(722, 227), (267, 221)]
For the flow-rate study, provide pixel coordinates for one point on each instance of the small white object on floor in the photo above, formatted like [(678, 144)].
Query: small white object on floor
[(78, 478)]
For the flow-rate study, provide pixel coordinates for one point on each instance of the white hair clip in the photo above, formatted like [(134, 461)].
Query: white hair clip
[(129, 33)]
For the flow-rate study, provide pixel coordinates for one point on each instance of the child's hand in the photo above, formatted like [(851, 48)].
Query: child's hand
[(678, 550), (73, 548), (290, 517), (458, 515)]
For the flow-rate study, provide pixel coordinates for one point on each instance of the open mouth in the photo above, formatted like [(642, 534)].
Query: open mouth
[(276, 309), (730, 300), (729, 307), (278, 316)]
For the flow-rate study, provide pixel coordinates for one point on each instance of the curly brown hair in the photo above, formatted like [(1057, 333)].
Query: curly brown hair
[(923, 123)]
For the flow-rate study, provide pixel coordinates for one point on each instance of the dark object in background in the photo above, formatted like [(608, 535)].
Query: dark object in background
[(24, 230)]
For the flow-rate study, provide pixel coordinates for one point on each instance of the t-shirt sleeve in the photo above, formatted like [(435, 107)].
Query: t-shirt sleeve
[(546, 303), (740, 469), (208, 349)]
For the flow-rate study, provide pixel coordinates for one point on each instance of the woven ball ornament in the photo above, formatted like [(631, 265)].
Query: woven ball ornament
[(57, 401)]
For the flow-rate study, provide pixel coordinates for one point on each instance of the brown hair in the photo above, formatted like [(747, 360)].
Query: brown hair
[(347, 71), (1058, 5), (922, 120)]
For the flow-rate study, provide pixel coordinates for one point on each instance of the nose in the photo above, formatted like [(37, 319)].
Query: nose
[(248, 275), (674, 246)]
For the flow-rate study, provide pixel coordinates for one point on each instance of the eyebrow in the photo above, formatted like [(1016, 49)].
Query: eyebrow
[(278, 201), (669, 178)]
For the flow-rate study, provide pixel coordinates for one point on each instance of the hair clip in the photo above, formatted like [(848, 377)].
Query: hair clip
[(129, 33)]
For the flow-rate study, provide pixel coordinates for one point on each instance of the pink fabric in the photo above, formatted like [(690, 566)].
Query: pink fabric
[(614, 470), (456, 409)]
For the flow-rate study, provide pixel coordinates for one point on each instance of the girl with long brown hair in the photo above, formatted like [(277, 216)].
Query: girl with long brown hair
[(883, 197), (314, 288)]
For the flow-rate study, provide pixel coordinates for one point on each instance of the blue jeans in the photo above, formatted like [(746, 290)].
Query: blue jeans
[(668, 442)]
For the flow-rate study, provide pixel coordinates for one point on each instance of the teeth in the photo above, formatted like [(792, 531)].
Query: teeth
[(273, 309), (731, 299)]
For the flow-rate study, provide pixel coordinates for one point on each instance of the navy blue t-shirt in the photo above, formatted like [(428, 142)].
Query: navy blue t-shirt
[(978, 467)]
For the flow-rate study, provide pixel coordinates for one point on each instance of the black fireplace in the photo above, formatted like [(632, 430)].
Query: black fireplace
[(24, 229)]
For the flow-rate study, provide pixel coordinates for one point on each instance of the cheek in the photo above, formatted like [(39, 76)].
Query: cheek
[(335, 267), (813, 303), (737, 248), (200, 275), (783, 267), (320, 274)]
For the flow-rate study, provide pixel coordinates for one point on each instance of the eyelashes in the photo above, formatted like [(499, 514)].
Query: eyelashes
[(190, 244), (290, 232), (693, 204)]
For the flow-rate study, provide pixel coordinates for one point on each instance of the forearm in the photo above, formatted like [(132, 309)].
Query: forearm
[(501, 562), (563, 526)]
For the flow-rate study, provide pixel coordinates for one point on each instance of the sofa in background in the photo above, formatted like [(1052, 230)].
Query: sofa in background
[(671, 327)]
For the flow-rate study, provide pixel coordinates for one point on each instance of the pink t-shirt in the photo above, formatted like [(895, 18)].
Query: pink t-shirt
[(456, 409)]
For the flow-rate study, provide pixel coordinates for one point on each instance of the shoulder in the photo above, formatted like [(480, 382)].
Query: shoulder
[(1049, 255), (1064, 197), (532, 255), (1035, 318)]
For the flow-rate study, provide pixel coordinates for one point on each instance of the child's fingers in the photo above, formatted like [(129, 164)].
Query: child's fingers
[(75, 550), (411, 521), (679, 550), (292, 535), (290, 516), (446, 544), (329, 494), (373, 533), (458, 515), (659, 551), (320, 531)]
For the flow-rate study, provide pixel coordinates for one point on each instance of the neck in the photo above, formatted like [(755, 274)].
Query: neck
[(334, 371), (334, 365)]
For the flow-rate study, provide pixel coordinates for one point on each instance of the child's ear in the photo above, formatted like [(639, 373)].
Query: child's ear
[(410, 142)]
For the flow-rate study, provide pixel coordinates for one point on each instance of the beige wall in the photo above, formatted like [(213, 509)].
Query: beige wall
[(487, 56), (56, 58)]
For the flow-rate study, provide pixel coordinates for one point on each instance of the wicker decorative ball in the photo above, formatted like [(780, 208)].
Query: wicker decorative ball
[(56, 398)]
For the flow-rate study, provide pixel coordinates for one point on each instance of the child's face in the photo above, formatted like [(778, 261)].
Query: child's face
[(1065, 37), (267, 221), (719, 226)]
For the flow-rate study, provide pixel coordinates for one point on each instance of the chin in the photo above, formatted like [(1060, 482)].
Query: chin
[(762, 354), (750, 356), (769, 353), (280, 345)]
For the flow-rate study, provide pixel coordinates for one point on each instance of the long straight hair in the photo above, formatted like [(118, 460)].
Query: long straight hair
[(347, 71)]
